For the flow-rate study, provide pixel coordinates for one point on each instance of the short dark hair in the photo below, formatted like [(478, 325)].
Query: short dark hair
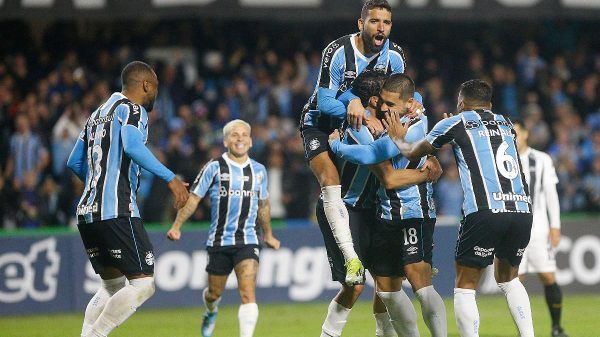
[(476, 90), (133, 71), (368, 84), (370, 4), (401, 84)]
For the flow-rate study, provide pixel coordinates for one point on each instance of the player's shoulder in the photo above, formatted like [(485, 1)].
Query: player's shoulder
[(210, 166), (257, 166), (541, 155), (395, 49), (128, 106), (337, 44)]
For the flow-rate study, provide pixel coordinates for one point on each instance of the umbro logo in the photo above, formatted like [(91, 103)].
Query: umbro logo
[(469, 125)]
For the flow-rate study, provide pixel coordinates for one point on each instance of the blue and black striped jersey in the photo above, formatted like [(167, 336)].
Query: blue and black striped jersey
[(414, 201), (112, 177), (234, 190), (490, 170), (341, 62)]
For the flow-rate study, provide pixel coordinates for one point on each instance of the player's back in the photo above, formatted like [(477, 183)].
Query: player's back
[(413, 201), (359, 185), (486, 153), (113, 178)]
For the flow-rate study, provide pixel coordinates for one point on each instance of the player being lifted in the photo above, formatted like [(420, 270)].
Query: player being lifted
[(358, 189), (545, 232), (107, 158), (497, 206), (341, 61), (404, 213), (237, 186)]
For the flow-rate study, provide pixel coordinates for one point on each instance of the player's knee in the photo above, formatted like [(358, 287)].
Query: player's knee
[(145, 286), (547, 278), (355, 290), (213, 293)]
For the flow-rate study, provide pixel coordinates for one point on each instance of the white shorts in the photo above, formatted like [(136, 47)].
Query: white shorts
[(538, 258)]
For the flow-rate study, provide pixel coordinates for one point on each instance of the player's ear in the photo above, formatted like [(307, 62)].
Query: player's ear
[(361, 24), (373, 100), (409, 102), (145, 86)]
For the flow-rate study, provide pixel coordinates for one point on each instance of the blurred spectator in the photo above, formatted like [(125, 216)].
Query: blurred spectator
[(448, 192)]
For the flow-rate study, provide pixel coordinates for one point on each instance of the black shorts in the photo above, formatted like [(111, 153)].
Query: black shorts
[(121, 243), (316, 141), (361, 223), (485, 234), (395, 244), (222, 260)]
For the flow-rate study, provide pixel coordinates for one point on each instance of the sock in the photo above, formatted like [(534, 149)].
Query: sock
[(122, 305), (383, 326), (210, 306), (466, 312), (518, 303), (554, 302), (433, 311), (97, 303), (247, 315), (337, 316), (401, 311), (337, 216)]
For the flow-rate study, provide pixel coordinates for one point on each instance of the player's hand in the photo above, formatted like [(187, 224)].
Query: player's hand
[(554, 237), (435, 169), (355, 114), (180, 192), (416, 109), (272, 242), (174, 234), (375, 126), (335, 135), (447, 115), (395, 128)]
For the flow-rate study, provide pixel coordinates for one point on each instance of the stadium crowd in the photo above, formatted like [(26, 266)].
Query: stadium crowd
[(52, 77)]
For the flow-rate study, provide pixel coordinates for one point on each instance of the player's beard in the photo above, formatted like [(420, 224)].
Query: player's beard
[(370, 47), (150, 104)]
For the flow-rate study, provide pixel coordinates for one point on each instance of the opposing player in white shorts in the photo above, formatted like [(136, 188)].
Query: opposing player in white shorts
[(545, 232)]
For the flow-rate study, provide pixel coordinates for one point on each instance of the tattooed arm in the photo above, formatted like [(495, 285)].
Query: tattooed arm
[(183, 214), (264, 218)]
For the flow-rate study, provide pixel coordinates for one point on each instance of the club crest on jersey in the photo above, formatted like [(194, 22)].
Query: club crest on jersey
[(314, 144), (149, 258), (379, 67), (259, 177)]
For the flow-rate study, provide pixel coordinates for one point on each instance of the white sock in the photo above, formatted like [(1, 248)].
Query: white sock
[(402, 313), (210, 306), (247, 315), (337, 316), (383, 326), (466, 312), (97, 303), (518, 303), (433, 311), (337, 216), (122, 305)]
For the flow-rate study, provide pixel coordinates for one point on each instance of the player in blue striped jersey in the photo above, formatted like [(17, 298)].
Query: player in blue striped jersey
[(341, 61), (497, 205), (237, 187), (107, 157), (403, 212)]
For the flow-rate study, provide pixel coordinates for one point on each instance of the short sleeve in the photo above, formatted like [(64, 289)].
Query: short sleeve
[(332, 66), (444, 131), (264, 183), (397, 60), (205, 178), (550, 177)]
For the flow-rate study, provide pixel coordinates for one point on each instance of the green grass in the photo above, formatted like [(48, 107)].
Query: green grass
[(580, 318)]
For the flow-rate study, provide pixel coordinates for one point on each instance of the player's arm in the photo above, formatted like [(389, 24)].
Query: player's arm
[(134, 148), (391, 178), (183, 214), (552, 202), (264, 218), (330, 79), (77, 159), (372, 153)]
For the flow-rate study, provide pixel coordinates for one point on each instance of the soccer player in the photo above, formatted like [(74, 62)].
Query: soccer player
[(237, 186), (497, 206), (405, 213), (359, 187), (545, 232), (107, 158), (341, 61)]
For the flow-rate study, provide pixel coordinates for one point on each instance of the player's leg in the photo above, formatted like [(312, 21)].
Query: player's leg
[(417, 257), (509, 253), (553, 296), (322, 166), (383, 325), (246, 271), (339, 308), (401, 311), (131, 253), (220, 264), (465, 305)]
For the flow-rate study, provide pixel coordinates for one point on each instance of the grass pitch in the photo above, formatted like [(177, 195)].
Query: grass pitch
[(580, 319)]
